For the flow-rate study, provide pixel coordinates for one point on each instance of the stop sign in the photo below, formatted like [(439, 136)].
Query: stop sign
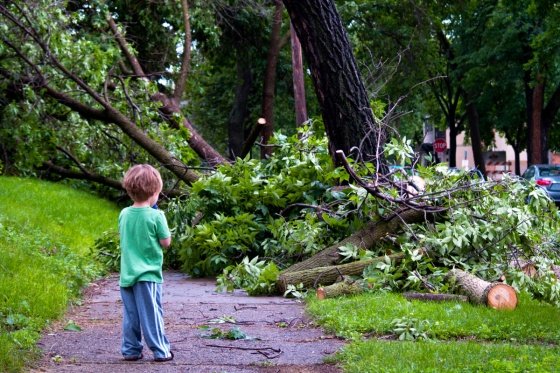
[(440, 145)]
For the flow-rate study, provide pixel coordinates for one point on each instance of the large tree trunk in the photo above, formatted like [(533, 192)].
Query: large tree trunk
[(328, 275), (476, 142), (239, 112), (364, 238), (298, 79), (552, 107), (270, 79), (453, 132), (528, 116), (493, 294), (344, 102), (537, 133)]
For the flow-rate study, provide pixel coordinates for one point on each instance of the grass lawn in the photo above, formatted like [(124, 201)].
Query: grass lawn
[(46, 230), (71, 217), (461, 337)]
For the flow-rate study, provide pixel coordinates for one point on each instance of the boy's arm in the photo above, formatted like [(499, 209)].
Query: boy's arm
[(163, 230), (165, 243)]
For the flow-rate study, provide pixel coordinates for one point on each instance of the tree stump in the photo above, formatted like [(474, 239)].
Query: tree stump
[(493, 294)]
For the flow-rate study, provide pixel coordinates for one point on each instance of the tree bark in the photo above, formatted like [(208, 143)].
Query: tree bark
[(298, 79), (495, 295), (344, 102), (364, 238), (448, 96), (337, 289), (551, 109), (536, 137), (476, 142), (453, 132), (49, 167), (239, 111), (436, 297), (528, 116), (327, 275), (112, 115), (270, 79)]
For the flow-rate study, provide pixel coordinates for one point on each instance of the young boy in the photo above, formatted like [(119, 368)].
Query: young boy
[(143, 233)]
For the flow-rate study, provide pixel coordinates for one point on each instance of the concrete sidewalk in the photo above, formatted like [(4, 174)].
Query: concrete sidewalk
[(281, 336)]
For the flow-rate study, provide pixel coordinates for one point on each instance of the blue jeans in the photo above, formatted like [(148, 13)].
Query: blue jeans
[(143, 313)]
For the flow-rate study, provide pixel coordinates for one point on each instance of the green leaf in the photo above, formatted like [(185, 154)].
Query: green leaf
[(72, 326)]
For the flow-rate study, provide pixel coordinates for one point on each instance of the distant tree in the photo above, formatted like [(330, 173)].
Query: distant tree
[(509, 55)]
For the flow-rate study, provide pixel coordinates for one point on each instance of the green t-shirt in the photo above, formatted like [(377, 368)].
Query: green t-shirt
[(140, 229)]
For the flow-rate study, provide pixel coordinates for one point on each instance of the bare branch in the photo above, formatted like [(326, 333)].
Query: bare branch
[(50, 167), (376, 190), (74, 159), (186, 60), (123, 44)]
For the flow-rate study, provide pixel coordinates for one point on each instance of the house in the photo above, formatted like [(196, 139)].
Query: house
[(500, 159)]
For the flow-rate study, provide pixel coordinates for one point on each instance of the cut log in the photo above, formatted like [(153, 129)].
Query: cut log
[(328, 275), (337, 289), (436, 297), (364, 238), (493, 294)]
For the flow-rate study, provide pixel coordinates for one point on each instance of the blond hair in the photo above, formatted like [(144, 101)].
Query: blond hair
[(142, 181)]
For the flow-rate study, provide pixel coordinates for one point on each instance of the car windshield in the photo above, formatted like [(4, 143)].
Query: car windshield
[(550, 171)]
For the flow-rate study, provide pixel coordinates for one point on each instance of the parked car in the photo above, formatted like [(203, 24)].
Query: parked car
[(547, 176)]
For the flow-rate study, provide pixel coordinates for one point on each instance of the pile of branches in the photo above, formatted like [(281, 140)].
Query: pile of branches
[(482, 264)]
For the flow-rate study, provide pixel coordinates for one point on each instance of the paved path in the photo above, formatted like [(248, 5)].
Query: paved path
[(283, 339)]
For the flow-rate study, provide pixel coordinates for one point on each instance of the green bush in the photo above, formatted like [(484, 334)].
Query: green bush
[(107, 251), (268, 209)]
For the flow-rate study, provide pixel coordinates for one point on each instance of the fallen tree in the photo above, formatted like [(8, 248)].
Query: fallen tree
[(345, 287), (364, 238), (492, 294), (329, 274)]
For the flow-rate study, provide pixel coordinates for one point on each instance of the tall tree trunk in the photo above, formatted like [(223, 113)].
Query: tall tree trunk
[(529, 116), (550, 112), (270, 79), (517, 156), (239, 112), (453, 132), (344, 103), (298, 78), (537, 133), (472, 114)]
